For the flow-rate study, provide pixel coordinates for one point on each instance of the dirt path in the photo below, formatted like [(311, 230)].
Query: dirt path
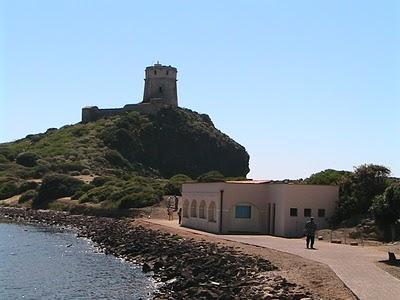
[(314, 276)]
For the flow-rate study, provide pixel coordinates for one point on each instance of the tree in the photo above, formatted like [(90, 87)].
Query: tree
[(358, 189), (386, 208), (368, 182), (328, 176)]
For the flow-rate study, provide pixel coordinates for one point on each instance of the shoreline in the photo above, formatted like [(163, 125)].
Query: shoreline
[(188, 268)]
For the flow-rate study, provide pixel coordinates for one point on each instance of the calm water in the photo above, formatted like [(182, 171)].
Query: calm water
[(46, 263)]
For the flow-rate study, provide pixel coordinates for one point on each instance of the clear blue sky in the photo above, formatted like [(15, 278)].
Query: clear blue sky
[(303, 85)]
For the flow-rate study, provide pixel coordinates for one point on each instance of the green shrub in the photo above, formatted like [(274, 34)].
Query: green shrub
[(212, 176), (174, 184), (75, 173), (27, 185), (8, 189), (28, 195), (85, 172), (56, 186), (3, 159), (69, 167), (39, 171), (136, 200), (101, 180), (27, 159), (116, 159)]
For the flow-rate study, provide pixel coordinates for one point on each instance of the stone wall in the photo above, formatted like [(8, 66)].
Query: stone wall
[(93, 113)]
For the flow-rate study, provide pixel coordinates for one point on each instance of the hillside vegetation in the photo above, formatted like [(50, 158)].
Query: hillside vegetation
[(134, 154)]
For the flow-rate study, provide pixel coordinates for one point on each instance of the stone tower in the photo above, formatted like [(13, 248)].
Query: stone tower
[(160, 85)]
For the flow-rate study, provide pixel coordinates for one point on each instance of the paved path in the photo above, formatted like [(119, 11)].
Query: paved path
[(355, 266)]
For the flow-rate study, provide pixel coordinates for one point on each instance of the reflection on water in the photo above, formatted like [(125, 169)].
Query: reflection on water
[(46, 263)]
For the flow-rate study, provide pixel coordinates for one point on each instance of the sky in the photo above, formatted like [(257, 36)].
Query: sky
[(303, 85)]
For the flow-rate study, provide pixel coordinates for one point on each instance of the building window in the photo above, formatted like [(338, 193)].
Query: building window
[(211, 212), (321, 213), (202, 210), (193, 209), (307, 212), (155, 72), (167, 72), (186, 208), (160, 89), (243, 212), (293, 212)]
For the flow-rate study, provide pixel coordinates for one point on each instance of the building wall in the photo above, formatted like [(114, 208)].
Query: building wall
[(313, 197), (244, 194), (210, 194), (262, 198)]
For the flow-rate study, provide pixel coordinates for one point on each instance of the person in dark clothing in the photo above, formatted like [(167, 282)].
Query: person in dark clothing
[(310, 229), (180, 215)]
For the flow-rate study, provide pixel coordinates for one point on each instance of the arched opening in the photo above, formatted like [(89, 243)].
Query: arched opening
[(211, 212), (186, 208), (193, 209), (202, 210)]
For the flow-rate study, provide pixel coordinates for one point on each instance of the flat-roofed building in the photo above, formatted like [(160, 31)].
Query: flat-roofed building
[(261, 207)]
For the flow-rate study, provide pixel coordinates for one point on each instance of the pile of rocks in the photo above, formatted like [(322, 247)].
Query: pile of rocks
[(188, 268)]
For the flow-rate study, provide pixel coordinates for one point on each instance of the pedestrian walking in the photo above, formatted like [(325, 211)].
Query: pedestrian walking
[(310, 229), (180, 215)]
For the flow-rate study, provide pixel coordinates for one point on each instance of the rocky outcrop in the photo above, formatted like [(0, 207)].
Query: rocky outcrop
[(189, 269)]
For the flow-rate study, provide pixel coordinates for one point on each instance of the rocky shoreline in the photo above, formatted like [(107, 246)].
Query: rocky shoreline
[(189, 269)]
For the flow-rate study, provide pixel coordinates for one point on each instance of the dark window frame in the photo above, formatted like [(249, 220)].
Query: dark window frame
[(321, 212), (309, 212), (293, 212)]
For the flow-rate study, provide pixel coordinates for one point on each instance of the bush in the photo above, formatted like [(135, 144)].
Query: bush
[(3, 159), (116, 159), (85, 172), (27, 159), (56, 186), (39, 171), (75, 173), (174, 185), (212, 176), (101, 180), (8, 189), (136, 200), (28, 185), (69, 167), (28, 195)]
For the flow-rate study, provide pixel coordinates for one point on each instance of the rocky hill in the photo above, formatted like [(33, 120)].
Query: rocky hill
[(132, 155), (173, 141)]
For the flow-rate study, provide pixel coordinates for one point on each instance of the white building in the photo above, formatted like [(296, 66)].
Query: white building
[(261, 207)]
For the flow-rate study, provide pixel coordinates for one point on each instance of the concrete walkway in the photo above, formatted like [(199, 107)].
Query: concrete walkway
[(354, 265)]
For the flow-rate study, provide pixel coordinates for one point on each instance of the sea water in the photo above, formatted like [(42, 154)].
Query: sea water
[(38, 262)]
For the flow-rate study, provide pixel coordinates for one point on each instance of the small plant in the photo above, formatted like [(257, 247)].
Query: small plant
[(56, 186), (27, 159), (28, 195), (8, 189)]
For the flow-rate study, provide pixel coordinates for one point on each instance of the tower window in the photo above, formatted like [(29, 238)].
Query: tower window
[(160, 89), (155, 72), (167, 72)]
